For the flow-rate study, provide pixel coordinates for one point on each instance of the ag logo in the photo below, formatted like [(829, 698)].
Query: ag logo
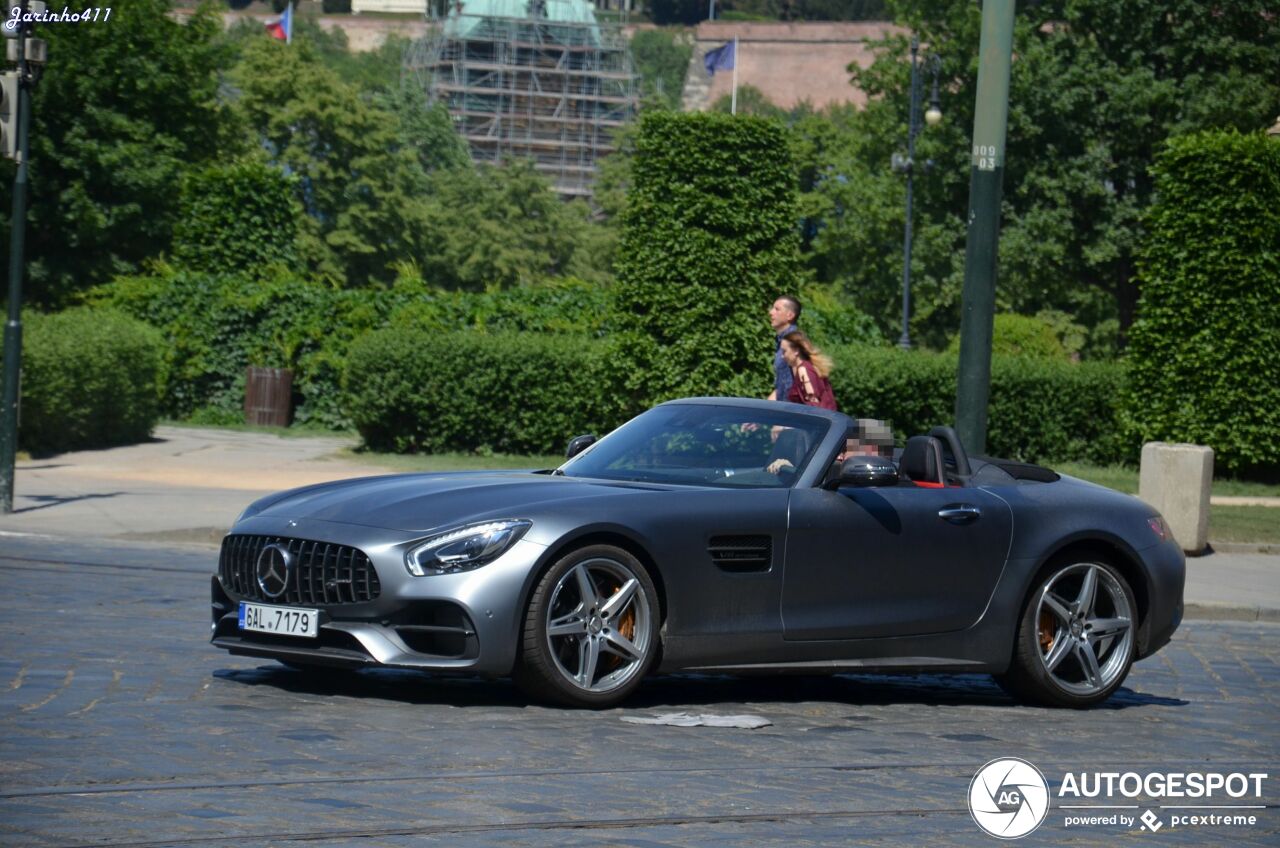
[(1008, 798)]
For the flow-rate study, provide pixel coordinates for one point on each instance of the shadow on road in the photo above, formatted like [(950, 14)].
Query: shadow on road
[(46, 501), (666, 691)]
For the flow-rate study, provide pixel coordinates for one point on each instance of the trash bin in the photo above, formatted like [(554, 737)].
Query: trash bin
[(268, 396)]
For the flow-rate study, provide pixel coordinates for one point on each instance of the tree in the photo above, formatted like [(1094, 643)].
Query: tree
[(1096, 89), (708, 240), (662, 60), (1205, 352), (120, 114), (358, 181), (427, 130), (751, 101), (496, 227)]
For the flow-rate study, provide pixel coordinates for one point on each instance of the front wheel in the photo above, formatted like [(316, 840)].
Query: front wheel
[(591, 630), (1075, 641)]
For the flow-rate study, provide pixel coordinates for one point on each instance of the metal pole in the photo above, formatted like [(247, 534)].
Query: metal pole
[(733, 104), (13, 327), (904, 341), (986, 172)]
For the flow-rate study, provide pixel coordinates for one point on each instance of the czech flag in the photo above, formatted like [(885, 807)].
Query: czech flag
[(283, 28)]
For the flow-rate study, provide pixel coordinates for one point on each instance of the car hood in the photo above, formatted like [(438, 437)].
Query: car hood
[(423, 502)]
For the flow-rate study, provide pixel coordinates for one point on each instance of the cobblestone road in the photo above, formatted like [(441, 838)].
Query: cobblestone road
[(121, 726)]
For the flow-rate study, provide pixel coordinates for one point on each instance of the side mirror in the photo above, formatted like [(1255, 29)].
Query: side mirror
[(578, 444), (867, 471)]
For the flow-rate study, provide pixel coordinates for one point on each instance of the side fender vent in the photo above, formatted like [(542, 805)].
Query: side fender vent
[(741, 553)]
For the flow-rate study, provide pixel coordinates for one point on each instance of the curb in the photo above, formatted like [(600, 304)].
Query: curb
[(1229, 612), (1242, 548)]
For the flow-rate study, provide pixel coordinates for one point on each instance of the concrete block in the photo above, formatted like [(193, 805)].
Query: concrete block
[(1176, 480)]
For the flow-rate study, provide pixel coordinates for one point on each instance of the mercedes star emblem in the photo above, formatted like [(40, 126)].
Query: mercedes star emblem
[(275, 564)]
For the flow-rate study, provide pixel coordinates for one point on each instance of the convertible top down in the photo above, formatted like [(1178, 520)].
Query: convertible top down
[(711, 534)]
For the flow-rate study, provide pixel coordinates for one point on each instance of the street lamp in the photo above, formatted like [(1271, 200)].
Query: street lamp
[(30, 54), (932, 116)]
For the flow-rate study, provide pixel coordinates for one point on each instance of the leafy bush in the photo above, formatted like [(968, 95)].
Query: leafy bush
[(508, 392), (237, 218), (90, 378), (217, 325), (831, 318), (709, 239), (558, 306), (1021, 336), (1040, 409), (1204, 354)]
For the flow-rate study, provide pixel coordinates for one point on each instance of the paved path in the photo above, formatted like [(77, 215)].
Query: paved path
[(189, 484), (121, 726)]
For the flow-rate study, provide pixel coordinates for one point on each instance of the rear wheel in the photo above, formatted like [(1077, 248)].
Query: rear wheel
[(591, 630), (1075, 641)]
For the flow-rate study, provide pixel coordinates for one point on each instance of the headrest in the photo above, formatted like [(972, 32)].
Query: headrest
[(922, 460)]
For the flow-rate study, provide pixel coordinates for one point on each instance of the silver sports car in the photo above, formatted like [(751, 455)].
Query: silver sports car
[(711, 534)]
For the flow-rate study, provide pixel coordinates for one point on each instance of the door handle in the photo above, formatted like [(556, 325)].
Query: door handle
[(960, 513)]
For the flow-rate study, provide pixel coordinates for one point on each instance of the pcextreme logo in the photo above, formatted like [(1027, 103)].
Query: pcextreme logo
[(1009, 798)]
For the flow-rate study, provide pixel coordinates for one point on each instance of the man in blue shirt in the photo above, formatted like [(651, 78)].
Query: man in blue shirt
[(783, 316)]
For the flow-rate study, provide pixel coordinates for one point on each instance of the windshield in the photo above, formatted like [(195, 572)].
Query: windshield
[(701, 445)]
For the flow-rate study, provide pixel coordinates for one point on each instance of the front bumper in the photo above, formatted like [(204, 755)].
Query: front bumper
[(468, 622)]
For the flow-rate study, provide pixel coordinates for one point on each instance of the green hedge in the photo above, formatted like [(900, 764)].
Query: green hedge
[(504, 393), (516, 393), (1040, 410), (217, 325), (1205, 350), (709, 240), (90, 378)]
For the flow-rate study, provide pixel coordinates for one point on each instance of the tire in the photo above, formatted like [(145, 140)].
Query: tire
[(591, 629), (1076, 637)]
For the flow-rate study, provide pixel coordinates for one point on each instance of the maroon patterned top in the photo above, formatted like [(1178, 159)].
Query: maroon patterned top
[(818, 391)]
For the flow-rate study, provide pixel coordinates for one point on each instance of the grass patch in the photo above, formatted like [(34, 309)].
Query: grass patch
[(1249, 524), (1124, 478), (450, 461), (1254, 524), (1119, 477)]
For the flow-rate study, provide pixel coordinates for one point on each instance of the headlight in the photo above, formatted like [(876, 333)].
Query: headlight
[(465, 548)]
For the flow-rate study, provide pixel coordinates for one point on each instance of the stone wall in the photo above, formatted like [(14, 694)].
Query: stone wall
[(788, 62)]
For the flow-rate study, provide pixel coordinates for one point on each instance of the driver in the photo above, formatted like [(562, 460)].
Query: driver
[(872, 437)]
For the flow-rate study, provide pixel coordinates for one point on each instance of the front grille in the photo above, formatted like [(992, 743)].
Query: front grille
[(741, 553), (323, 573)]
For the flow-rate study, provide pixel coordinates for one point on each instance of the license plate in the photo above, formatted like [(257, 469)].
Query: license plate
[(282, 621)]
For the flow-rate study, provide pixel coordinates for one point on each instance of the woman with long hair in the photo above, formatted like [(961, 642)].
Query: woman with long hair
[(811, 367)]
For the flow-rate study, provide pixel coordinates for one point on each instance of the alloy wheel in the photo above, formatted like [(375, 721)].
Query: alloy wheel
[(598, 625), (1084, 628)]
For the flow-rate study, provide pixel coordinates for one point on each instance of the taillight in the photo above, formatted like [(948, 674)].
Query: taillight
[(1160, 528)]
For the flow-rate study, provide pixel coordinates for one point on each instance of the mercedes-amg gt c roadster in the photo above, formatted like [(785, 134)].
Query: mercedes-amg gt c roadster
[(717, 535)]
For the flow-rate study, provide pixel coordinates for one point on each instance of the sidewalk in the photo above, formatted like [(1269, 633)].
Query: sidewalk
[(186, 486)]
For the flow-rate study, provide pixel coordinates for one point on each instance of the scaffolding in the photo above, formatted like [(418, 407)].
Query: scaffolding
[(549, 80)]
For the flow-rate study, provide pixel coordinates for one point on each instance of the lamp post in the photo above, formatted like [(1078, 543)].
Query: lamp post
[(932, 116), (30, 54)]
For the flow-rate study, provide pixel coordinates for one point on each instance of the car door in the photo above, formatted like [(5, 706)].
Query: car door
[(891, 561)]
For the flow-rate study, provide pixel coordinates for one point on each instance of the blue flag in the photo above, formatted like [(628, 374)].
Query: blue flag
[(720, 59)]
